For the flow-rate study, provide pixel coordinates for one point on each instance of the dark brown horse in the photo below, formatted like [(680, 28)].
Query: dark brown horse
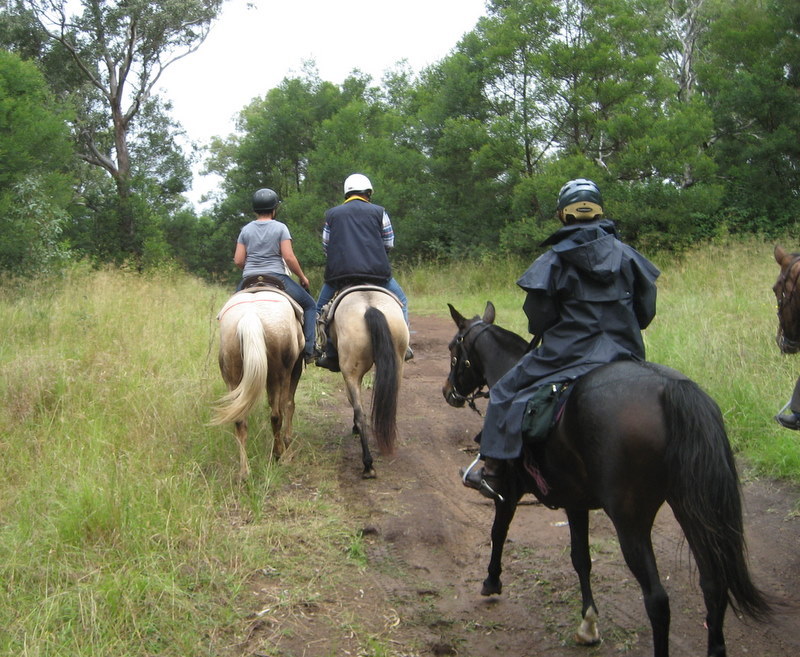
[(632, 436), (788, 298)]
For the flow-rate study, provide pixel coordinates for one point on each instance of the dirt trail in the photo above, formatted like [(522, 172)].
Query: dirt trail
[(428, 546)]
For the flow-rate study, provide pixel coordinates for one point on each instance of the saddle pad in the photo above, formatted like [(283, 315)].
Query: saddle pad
[(243, 297)]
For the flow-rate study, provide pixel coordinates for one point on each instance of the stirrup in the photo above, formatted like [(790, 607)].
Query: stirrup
[(484, 488)]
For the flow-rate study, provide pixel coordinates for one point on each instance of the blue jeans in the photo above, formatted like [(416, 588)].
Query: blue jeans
[(306, 301), (327, 291)]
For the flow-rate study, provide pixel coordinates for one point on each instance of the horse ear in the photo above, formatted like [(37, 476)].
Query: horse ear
[(458, 318), (780, 254), (488, 314)]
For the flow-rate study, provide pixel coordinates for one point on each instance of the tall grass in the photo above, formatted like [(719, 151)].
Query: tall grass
[(122, 528), (122, 531)]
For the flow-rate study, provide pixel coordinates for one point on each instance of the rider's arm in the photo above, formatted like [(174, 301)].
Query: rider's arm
[(387, 232), (287, 252), (240, 255), (541, 310)]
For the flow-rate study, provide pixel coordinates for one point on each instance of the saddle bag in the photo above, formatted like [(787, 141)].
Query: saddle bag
[(541, 413)]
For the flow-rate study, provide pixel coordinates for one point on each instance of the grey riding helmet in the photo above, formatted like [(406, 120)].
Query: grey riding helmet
[(265, 200)]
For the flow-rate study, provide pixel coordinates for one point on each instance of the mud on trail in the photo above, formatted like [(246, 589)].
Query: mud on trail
[(427, 542)]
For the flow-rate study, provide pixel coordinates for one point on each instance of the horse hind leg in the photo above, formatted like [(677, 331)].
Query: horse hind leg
[(360, 425), (278, 419), (588, 633), (241, 440), (637, 548)]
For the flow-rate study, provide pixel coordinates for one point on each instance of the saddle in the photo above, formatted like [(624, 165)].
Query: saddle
[(266, 283), (261, 281), (328, 311)]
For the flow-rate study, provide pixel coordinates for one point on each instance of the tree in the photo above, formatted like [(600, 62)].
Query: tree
[(35, 166), (751, 78), (118, 50)]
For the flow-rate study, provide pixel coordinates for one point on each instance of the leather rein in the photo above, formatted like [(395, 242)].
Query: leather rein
[(463, 358)]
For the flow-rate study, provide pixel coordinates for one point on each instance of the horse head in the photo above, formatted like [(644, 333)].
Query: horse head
[(466, 377), (785, 289)]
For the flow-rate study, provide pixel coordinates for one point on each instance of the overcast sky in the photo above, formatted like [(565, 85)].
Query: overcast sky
[(254, 45)]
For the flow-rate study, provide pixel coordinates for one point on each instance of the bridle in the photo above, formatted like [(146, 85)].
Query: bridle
[(785, 292), (462, 364)]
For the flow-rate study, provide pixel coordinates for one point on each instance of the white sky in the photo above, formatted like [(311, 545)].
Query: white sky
[(256, 44)]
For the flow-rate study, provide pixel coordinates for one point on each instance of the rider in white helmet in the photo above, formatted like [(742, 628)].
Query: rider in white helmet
[(357, 237)]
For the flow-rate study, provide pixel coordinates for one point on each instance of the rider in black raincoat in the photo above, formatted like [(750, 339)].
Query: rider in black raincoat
[(588, 298)]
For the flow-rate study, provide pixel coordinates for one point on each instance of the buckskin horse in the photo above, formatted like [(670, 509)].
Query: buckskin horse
[(632, 435), (261, 342), (368, 328)]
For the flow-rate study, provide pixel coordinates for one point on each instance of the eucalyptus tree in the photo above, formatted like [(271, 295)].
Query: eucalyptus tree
[(35, 168), (108, 55)]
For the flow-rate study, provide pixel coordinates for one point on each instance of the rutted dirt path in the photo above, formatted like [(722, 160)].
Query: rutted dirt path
[(427, 541)]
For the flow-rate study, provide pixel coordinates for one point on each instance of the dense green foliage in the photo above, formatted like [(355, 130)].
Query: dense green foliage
[(684, 112), (35, 181)]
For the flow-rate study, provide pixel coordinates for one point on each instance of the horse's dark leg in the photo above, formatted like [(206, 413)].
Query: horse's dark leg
[(360, 426), (587, 634), (637, 548), (716, 600), (366, 455), (503, 515)]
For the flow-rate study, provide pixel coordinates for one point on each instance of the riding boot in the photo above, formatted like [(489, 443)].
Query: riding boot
[(486, 479), (330, 358), (789, 421)]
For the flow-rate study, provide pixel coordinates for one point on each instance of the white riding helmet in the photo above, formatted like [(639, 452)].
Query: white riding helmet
[(357, 182)]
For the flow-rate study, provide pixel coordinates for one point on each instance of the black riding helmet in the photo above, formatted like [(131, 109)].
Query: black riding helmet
[(580, 200), (265, 200)]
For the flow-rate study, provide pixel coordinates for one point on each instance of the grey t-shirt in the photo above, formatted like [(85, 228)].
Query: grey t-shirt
[(262, 240)]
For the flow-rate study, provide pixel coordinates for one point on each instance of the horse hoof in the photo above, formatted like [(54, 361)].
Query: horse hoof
[(491, 588), (588, 634), (369, 474), (582, 640)]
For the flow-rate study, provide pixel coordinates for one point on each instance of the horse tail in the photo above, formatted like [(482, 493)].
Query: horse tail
[(705, 496), (386, 385), (235, 406)]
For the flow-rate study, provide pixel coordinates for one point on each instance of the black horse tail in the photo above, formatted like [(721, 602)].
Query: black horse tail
[(705, 496), (386, 384)]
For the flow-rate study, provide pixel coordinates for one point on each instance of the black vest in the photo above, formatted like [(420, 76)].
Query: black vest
[(355, 243)]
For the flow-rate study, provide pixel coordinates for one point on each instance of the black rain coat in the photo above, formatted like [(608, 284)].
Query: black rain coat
[(588, 298)]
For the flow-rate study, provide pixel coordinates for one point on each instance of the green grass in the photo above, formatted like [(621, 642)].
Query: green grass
[(123, 530)]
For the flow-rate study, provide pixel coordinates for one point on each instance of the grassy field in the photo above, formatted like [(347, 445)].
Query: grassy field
[(122, 528)]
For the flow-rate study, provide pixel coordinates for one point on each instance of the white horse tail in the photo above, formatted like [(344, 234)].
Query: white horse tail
[(235, 406)]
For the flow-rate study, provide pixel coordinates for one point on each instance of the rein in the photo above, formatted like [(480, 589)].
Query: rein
[(478, 393), (786, 301)]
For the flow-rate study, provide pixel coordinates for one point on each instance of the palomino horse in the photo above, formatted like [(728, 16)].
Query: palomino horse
[(632, 436), (788, 298), (261, 342), (368, 328)]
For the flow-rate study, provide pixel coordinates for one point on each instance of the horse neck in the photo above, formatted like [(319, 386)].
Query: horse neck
[(499, 350)]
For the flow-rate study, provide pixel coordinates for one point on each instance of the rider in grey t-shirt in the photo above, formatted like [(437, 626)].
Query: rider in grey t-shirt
[(264, 246)]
